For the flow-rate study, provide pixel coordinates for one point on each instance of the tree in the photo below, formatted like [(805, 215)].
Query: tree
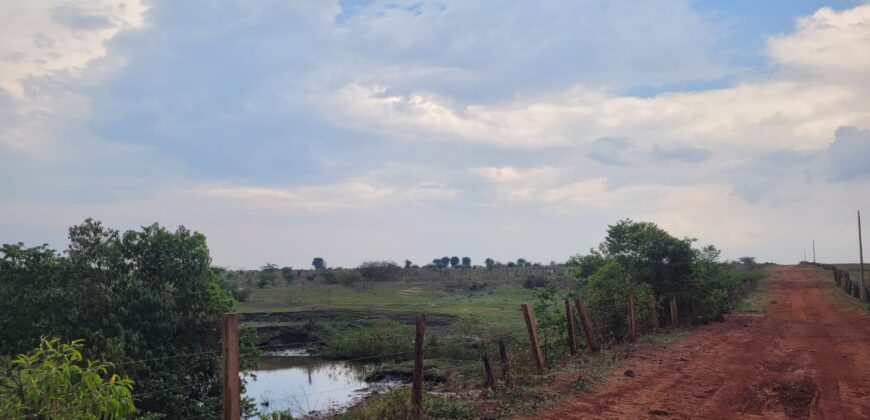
[(649, 254), (521, 262), (408, 264), (318, 263), (445, 262), (287, 274), (268, 274), (54, 381), (466, 262), (490, 263), (380, 271), (454, 262), (137, 297), (748, 261), (583, 266)]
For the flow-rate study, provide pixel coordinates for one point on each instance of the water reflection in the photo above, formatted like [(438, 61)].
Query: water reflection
[(305, 384)]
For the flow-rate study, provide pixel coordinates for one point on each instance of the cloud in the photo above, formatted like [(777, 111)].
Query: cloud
[(849, 154), (75, 17), (828, 44), (43, 37), (277, 127)]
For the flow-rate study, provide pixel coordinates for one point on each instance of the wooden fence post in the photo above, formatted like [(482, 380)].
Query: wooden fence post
[(487, 371), (674, 311), (232, 382), (654, 311), (587, 325), (505, 363), (572, 342), (529, 315), (632, 332), (417, 386)]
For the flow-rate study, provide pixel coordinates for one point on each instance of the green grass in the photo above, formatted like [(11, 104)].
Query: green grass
[(758, 301), (499, 305)]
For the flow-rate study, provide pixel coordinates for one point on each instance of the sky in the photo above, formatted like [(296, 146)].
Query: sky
[(388, 130)]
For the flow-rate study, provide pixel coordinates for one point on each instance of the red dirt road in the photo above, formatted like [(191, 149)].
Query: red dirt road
[(808, 356)]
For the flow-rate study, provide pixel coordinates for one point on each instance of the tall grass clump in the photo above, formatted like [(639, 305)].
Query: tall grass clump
[(396, 404), (373, 341)]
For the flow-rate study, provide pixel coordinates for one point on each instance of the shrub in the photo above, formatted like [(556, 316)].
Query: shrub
[(375, 341), (534, 282), (396, 404), (380, 271), (54, 382)]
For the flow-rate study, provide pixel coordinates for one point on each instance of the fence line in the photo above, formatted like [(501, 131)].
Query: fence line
[(843, 279)]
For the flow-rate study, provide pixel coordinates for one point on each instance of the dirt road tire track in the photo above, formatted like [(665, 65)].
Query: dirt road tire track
[(808, 356)]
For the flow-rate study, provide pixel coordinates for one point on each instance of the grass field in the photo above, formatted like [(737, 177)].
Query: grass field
[(497, 304)]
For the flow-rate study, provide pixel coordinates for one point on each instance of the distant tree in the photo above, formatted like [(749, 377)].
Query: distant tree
[(748, 261), (511, 264), (466, 262), (349, 277), (521, 262), (329, 276), (288, 274), (445, 262), (408, 264), (454, 262), (490, 263), (318, 263), (268, 274), (380, 271)]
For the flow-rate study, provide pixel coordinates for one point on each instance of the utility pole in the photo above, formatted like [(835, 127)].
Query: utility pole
[(861, 252), (814, 250)]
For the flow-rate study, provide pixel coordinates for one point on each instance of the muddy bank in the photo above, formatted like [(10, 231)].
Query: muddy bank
[(432, 320), (293, 331)]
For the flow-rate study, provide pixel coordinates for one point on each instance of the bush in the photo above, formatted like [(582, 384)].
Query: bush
[(375, 341), (396, 404), (534, 282), (54, 381), (380, 271)]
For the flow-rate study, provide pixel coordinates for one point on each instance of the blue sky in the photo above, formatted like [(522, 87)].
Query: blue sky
[(361, 130)]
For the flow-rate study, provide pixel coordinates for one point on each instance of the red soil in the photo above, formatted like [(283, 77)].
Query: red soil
[(808, 356)]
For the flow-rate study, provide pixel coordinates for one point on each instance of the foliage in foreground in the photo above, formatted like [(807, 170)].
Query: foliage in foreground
[(54, 381), (140, 299)]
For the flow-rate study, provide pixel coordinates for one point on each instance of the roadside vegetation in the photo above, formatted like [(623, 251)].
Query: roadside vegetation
[(141, 307)]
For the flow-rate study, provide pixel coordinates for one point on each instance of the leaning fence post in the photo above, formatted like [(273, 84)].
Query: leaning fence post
[(632, 333), (653, 311), (587, 325), (572, 342), (529, 315), (417, 386), (232, 382), (673, 311), (487, 372), (505, 363)]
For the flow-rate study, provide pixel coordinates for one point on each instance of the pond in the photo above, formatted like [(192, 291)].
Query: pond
[(305, 385)]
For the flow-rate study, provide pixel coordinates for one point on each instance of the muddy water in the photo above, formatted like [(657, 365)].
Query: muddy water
[(307, 385)]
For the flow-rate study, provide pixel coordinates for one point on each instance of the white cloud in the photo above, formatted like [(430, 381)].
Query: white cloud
[(822, 85), (41, 37), (828, 44)]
